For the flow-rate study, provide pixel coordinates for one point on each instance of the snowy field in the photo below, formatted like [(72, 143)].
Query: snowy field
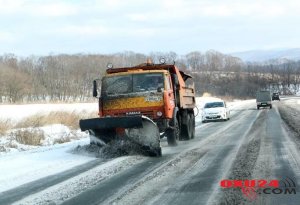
[(18, 112)]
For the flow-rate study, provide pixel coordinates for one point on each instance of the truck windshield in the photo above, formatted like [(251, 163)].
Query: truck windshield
[(123, 84)]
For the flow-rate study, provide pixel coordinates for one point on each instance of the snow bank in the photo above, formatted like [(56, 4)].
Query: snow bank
[(53, 134)]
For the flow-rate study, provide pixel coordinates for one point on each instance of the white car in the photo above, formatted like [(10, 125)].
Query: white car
[(216, 110)]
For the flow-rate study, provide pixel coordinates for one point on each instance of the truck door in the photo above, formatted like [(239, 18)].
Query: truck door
[(169, 97)]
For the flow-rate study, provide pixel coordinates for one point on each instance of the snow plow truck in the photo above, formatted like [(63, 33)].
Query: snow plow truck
[(143, 104)]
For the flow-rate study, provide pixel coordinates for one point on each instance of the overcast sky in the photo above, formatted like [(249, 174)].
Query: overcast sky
[(41, 27)]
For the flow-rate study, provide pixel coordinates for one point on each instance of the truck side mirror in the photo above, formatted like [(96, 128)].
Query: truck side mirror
[(159, 89), (95, 93)]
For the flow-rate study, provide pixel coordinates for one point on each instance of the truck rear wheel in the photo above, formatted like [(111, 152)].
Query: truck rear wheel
[(193, 125), (173, 134), (188, 129)]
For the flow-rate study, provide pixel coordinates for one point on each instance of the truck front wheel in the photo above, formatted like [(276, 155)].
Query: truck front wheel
[(173, 134)]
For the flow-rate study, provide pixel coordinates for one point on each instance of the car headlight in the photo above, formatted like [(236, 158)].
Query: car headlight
[(222, 112)]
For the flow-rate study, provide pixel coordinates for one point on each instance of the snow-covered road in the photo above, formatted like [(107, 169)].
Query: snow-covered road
[(252, 145)]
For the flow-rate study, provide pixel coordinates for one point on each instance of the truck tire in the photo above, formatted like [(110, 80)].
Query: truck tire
[(155, 153), (193, 125), (188, 130), (173, 134)]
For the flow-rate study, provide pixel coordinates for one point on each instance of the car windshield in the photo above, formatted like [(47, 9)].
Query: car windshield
[(132, 83), (214, 104)]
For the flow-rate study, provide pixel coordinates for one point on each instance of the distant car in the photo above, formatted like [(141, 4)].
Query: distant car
[(263, 99), (275, 96), (214, 111)]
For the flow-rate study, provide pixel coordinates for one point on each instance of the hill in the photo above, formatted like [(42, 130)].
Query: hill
[(266, 55)]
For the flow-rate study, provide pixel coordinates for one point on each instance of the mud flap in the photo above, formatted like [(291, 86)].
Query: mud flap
[(147, 136)]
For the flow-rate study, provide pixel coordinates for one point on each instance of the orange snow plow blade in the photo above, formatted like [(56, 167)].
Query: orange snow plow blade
[(140, 130)]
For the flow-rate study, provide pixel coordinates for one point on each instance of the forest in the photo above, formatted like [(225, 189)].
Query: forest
[(68, 78)]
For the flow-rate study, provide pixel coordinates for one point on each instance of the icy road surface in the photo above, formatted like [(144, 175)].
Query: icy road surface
[(253, 144)]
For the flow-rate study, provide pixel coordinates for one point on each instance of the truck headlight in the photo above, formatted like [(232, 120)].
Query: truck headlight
[(159, 113)]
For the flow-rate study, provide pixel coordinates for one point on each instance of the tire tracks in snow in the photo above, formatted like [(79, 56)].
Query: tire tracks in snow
[(269, 154), (286, 156), (243, 164), (161, 186), (18, 193), (82, 181)]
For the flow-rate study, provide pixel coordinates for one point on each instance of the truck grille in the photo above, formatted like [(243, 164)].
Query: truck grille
[(149, 114)]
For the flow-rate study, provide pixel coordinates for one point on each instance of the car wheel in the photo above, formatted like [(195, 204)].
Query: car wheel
[(226, 118)]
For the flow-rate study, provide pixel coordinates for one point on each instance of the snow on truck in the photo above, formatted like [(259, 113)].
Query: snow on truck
[(142, 104)]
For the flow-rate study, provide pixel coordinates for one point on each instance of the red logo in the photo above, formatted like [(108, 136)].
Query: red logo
[(250, 187)]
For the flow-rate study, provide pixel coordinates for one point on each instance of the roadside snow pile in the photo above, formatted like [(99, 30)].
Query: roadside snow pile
[(290, 112), (57, 134), (30, 138), (26, 127)]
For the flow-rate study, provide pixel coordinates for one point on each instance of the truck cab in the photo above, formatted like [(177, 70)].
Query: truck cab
[(138, 92)]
